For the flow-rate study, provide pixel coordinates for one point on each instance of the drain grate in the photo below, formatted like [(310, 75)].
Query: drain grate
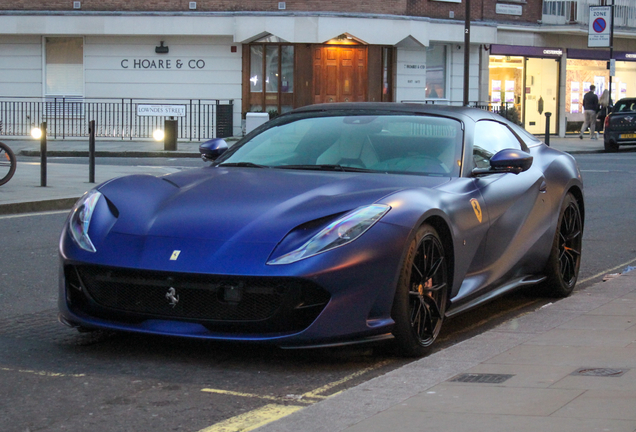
[(477, 378), (599, 372)]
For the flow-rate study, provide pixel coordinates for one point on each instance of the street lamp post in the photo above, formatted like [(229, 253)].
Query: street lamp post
[(466, 52)]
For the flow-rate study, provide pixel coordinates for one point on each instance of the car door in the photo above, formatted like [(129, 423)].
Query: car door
[(516, 206)]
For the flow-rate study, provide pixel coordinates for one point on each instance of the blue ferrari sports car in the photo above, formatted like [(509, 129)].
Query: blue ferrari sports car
[(329, 225)]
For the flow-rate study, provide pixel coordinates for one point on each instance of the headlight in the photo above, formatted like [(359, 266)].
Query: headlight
[(80, 220), (338, 233)]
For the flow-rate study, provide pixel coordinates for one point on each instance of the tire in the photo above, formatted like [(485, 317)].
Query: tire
[(562, 269), (421, 294), (8, 163), (610, 146)]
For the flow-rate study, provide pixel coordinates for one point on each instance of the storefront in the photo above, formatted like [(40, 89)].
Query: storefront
[(253, 63), (280, 76), (526, 80), (590, 66)]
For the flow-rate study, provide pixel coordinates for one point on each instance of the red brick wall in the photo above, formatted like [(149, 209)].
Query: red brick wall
[(532, 12), (441, 9), (394, 7), (481, 10)]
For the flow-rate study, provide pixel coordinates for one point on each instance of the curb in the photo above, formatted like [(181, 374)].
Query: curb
[(38, 206)]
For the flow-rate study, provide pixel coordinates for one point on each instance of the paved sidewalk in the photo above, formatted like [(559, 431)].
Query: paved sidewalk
[(67, 182), (569, 366)]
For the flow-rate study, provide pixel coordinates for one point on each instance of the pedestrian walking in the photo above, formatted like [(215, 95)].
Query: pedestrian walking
[(604, 104), (590, 108)]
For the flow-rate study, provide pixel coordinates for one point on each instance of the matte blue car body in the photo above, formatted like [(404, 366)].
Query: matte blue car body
[(231, 221)]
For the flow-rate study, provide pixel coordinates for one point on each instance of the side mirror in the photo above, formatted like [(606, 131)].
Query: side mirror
[(212, 149), (507, 161)]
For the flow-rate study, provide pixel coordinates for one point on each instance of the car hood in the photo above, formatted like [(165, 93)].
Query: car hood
[(244, 204)]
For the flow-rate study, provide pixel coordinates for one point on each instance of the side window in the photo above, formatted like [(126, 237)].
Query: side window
[(489, 138)]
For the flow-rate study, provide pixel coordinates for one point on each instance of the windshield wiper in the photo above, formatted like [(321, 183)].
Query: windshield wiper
[(242, 165), (326, 167)]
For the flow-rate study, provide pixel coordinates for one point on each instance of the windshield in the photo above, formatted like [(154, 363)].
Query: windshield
[(413, 144), (625, 105)]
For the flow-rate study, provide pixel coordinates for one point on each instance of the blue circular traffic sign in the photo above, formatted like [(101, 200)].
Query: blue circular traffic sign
[(599, 25)]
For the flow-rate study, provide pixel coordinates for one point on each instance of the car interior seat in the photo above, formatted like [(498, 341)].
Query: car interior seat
[(353, 148)]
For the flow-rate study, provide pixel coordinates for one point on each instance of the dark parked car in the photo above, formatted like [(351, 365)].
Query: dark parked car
[(620, 125), (330, 225)]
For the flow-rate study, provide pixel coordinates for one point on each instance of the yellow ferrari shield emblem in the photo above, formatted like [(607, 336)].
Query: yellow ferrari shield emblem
[(477, 209), (175, 255)]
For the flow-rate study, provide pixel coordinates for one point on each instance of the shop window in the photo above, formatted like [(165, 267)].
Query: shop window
[(436, 67), (271, 78), (64, 66), (581, 74)]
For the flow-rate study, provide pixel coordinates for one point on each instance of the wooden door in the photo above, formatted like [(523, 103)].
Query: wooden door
[(340, 74)]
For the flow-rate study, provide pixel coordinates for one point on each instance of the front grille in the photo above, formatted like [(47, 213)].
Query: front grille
[(277, 304)]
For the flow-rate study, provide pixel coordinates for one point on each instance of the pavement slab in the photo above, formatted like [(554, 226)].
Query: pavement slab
[(540, 350)]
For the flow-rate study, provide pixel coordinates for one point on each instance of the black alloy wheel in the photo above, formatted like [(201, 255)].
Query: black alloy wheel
[(562, 270), (421, 295)]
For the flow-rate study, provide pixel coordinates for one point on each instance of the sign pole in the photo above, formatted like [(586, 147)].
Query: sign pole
[(611, 47), (466, 52)]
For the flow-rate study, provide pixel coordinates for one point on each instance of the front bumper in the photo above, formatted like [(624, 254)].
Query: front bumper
[(342, 295)]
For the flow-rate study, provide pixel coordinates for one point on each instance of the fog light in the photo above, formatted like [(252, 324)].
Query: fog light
[(158, 135), (36, 133)]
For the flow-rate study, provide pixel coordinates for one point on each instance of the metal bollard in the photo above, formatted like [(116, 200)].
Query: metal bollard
[(170, 134), (91, 151), (547, 128), (43, 155)]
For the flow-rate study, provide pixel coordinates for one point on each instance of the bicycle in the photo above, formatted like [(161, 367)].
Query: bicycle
[(8, 163)]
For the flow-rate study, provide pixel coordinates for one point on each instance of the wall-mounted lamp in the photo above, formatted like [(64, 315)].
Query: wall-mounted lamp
[(161, 49)]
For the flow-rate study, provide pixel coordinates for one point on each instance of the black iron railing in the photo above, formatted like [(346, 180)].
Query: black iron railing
[(114, 118)]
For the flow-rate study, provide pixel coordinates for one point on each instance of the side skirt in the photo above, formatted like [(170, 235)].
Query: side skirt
[(491, 295)]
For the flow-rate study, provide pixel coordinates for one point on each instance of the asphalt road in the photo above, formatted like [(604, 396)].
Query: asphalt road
[(55, 379)]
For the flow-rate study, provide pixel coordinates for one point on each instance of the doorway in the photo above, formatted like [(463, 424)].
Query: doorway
[(541, 90), (340, 74)]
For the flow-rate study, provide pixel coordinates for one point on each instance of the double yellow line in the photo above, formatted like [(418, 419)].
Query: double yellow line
[(282, 407)]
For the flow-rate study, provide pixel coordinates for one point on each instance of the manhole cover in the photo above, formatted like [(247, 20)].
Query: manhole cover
[(481, 378), (600, 372)]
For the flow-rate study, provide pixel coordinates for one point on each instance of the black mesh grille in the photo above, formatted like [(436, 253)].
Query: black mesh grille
[(279, 303)]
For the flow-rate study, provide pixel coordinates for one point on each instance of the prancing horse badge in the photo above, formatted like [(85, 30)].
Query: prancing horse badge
[(175, 255), (477, 209)]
